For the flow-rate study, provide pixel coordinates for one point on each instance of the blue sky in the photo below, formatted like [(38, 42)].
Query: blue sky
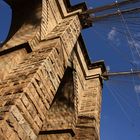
[(5, 20), (109, 40)]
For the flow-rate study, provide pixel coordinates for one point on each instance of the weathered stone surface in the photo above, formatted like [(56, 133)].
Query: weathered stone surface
[(29, 93), (9, 61), (37, 100), (88, 93), (55, 137)]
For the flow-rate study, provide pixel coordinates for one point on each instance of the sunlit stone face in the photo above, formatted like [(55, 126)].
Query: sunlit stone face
[(5, 20)]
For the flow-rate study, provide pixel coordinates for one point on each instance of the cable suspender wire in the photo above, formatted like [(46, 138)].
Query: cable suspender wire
[(127, 28), (137, 95), (127, 36), (119, 81), (120, 105), (118, 30), (133, 43), (123, 98), (116, 49)]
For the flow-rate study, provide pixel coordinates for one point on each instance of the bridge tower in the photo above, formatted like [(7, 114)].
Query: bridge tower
[(49, 89)]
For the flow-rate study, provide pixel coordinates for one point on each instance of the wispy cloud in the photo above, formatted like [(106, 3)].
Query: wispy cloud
[(113, 36), (134, 43), (137, 35), (135, 48), (108, 68), (93, 14), (137, 62), (137, 88)]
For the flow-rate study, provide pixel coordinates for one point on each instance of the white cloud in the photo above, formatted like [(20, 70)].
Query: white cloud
[(108, 68), (93, 14), (90, 7), (112, 34), (137, 35), (117, 42), (137, 88), (137, 62), (134, 43)]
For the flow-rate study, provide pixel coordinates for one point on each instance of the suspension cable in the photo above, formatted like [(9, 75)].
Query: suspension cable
[(109, 6), (120, 105), (122, 73), (129, 32), (123, 98), (118, 51)]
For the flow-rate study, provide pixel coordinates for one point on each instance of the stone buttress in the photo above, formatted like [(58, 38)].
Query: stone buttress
[(48, 87)]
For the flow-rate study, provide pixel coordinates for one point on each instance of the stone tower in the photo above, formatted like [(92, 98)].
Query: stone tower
[(49, 89)]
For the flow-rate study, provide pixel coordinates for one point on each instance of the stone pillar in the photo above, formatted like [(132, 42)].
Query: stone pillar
[(33, 97), (60, 120), (88, 92), (89, 107), (27, 93), (29, 89)]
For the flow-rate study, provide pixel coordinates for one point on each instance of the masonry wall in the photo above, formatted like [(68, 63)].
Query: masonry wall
[(47, 91), (88, 94)]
